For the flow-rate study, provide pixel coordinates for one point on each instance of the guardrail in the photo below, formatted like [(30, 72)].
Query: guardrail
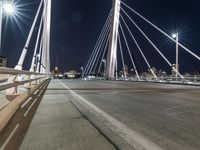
[(16, 87), (191, 80), (13, 78), (188, 79)]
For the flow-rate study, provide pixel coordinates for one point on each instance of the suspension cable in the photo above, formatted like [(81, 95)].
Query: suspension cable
[(139, 48), (168, 62), (36, 46), (100, 45), (128, 48), (106, 45), (96, 45), (121, 52), (40, 55), (181, 45), (102, 49)]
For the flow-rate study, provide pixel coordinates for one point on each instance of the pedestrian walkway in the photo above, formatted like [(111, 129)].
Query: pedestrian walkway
[(56, 124)]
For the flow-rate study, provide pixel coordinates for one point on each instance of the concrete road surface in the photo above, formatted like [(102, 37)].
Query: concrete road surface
[(106, 115), (51, 122), (139, 115)]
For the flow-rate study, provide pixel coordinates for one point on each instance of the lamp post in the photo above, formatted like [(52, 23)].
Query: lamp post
[(175, 36), (82, 72), (9, 9), (36, 62), (104, 72)]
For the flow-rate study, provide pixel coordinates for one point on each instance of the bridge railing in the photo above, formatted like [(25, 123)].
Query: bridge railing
[(10, 79), (16, 86), (188, 79)]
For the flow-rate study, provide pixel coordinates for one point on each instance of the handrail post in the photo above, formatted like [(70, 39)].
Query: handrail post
[(14, 90)]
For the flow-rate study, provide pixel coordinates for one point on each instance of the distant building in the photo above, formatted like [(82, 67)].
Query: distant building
[(124, 71), (72, 74), (56, 71), (155, 71), (173, 71), (3, 61)]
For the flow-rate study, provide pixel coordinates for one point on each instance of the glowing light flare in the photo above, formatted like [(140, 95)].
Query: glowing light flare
[(17, 13), (9, 8), (175, 35)]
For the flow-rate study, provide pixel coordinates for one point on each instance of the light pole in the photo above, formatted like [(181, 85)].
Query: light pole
[(175, 36), (9, 9), (36, 63), (82, 72), (104, 72)]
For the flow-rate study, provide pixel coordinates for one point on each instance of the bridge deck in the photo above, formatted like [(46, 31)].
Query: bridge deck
[(51, 122), (153, 116)]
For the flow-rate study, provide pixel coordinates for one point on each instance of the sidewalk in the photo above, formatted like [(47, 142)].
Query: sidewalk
[(57, 124)]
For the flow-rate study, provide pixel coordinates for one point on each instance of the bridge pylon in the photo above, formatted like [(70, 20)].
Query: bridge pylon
[(112, 50)]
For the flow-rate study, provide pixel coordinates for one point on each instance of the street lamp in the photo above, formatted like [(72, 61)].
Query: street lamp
[(175, 36), (82, 72), (104, 61), (36, 63), (9, 9)]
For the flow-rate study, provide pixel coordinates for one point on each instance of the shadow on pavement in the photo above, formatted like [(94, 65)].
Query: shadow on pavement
[(13, 135)]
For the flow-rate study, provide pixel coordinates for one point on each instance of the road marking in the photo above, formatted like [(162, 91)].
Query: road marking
[(26, 102), (132, 137), (9, 138), (26, 113), (114, 92)]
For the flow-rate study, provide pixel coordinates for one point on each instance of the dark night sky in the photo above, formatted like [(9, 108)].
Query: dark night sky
[(76, 25)]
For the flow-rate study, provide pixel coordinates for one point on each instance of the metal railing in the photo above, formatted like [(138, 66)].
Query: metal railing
[(188, 79), (16, 87), (12, 79)]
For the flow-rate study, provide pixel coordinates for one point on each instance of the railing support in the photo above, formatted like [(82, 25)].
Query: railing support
[(14, 90)]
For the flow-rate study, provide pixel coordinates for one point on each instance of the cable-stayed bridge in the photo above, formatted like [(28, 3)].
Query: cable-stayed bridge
[(113, 43), (38, 112)]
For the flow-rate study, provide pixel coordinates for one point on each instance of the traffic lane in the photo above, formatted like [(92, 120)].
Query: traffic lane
[(99, 84), (166, 118)]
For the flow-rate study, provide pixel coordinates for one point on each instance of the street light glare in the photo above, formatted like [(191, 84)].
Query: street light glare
[(9, 8), (174, 35)]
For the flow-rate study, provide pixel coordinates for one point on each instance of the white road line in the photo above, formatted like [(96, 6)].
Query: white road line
[(132, 137), (26, 113), (9, 138)]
